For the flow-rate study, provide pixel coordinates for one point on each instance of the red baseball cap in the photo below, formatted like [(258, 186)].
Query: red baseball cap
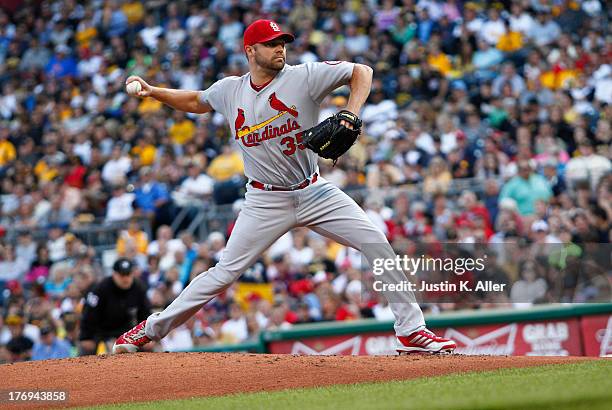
[(261, 31)]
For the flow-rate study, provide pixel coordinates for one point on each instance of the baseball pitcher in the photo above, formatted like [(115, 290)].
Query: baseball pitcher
[(272, 113)]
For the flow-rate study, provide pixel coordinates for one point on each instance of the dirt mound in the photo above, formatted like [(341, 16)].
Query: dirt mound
[(157, 376)]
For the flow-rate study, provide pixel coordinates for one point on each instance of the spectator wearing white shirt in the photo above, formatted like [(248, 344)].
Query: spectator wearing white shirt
[(592, 41), (530, 288), (281, 246), (356, 43), (13, 321), (196, 186), (540, 233), (178, 339), (168, 252), (235, 330), (26, 248), (602, 81), (448, 134), (592, 7), (91, 60), (472, 22), (61, 34), (374, 206), (493, 28), (422, 139), (116, 169), (120, 206), (520, 20), (150, 34), (165, 242), (216, 243), (8, 101), (175, 35), (509, 76), (42, 207), (304, 55), (382, 310), (230, 31), (379, 114), (300, 254), (434, 8), (82, 148), (189, 78), (56, 245), (195, 20), (588, 166), (545, 31), (11, 266)]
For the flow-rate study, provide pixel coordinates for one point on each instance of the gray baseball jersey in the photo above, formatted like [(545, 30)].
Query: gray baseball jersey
[(268, 124)]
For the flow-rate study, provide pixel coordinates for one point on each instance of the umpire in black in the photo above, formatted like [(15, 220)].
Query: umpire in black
[(117, 303)]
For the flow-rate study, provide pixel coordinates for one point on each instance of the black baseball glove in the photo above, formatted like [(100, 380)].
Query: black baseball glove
[(330, 139)]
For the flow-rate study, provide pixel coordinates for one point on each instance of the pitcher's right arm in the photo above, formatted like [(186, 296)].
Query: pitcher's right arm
[(182, 100)]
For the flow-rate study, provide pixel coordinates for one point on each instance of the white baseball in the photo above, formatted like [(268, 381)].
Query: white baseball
[(133, 88)]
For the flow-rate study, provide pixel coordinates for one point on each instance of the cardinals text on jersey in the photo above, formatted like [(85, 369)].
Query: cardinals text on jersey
[(253, 135)]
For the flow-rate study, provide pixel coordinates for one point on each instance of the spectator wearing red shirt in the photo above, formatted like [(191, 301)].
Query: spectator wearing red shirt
[(76, 173), (472, 210)]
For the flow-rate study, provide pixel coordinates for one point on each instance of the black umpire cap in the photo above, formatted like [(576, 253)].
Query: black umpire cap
[(123, 266)]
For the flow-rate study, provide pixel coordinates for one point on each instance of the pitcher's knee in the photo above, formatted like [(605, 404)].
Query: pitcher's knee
[(222, 274), (230, 275), (374, 236)]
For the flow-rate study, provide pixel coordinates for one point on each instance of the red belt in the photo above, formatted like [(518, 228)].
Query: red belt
[(302, 185)]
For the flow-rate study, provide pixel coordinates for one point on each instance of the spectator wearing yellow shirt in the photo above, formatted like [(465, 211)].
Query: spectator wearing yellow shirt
[(134, 11), (510, 42), (438, 178), (149, 106), (7, 150), (227, 165), (562, 74), (86, 30), (227, 170), (181, 131), (133, 235), (47, 168), (44, 171), (145, 151), (438, 60)]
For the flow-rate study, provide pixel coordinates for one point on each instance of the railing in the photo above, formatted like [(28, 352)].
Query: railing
[(100, 234), (415, 191), (200, 219)]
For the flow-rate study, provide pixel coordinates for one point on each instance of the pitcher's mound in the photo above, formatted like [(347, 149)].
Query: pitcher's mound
[(158, 376)]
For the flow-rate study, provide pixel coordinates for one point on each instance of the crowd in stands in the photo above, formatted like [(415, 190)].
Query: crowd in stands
[(513, 96)]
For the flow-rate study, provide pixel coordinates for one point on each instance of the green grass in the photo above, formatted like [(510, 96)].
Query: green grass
[(586, 385)]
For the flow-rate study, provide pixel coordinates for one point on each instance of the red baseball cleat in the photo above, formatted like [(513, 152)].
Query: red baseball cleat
[(424, 341), (132, 340)]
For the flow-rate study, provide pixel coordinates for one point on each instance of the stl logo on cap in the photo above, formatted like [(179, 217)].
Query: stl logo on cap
[(262, 31)]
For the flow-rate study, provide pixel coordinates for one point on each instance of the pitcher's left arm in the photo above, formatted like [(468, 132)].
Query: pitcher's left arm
[(360, 83)]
